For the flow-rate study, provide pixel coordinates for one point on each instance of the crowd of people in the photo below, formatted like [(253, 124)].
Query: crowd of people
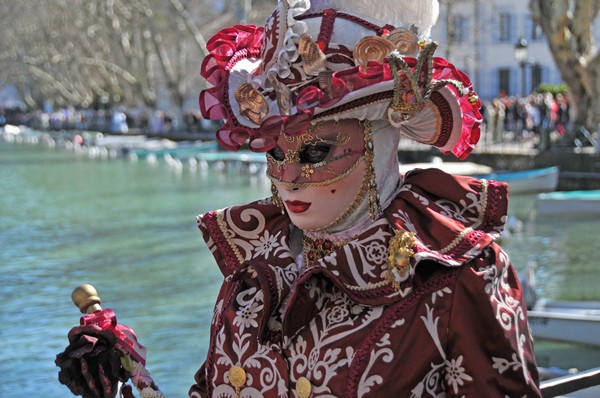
[(118, 120), (517, 119), (543, 117)]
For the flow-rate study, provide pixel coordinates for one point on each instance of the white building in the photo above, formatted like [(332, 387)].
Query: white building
[(481, 41)]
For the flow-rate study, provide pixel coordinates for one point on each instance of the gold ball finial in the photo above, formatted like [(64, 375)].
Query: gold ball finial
[(85, 297)]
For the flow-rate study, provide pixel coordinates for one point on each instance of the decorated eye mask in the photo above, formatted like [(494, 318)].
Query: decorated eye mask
[(321, 155)]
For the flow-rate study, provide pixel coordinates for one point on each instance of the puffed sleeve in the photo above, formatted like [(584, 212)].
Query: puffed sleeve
[(198, 390), (489, 347)]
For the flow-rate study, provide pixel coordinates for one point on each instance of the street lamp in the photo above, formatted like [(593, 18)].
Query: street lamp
[(521, 57)]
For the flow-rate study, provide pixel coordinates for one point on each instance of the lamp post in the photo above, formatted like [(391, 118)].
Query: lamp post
[(521, 57)]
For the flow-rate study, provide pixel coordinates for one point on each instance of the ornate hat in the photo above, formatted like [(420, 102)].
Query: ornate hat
[(338, 59)]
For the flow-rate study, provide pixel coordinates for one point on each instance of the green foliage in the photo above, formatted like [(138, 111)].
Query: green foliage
[(552, 88)]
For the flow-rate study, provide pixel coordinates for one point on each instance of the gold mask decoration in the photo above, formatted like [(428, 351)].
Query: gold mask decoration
[(252, 103), (313, 58), (284, 96), (313, 174), (405, 41), (372, 48)]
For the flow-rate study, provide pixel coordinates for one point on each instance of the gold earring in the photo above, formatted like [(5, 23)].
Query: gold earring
[(373, 193), (276, 198)]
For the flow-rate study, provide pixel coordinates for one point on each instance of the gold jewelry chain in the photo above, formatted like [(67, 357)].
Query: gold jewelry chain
[(366, 184)]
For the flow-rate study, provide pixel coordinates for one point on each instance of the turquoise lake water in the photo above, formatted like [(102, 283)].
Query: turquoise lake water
[(129, 229)]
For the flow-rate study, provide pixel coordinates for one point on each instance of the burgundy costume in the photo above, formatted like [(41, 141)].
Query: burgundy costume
[(455, 325)]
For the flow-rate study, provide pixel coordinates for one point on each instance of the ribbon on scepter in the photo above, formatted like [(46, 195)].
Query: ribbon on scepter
[(103, 354)]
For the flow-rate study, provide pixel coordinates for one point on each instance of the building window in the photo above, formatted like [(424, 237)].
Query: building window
[(505, 28), (459, 32), (219, 6), (536, 31), (504, 80)]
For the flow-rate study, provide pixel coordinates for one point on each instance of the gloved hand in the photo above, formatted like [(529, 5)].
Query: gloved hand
[(101, 353), (90, 365)]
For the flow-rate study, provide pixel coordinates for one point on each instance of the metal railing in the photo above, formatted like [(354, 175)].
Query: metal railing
[(571, 383), (589, 138)]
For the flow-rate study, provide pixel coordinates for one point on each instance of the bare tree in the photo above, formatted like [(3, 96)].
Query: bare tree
[(568, 27), (137, 53), (78, 51)]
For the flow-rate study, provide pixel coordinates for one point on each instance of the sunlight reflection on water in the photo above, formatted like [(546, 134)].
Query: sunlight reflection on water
[(129, 229)]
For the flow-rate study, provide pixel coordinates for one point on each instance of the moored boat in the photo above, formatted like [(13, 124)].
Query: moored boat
[(178, 150), (460, 168), (527, 181), (568, 321), (568, 203), (519, 181)]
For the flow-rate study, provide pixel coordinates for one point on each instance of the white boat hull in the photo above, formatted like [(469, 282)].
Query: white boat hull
[(573, 202), (459, 168), (573, 322), (519, 182), (542, 183), (528, 181)]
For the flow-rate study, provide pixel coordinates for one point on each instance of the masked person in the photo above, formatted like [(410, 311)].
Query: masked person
[(354, 280)]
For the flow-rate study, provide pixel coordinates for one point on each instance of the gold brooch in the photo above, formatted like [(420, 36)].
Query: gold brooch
[(400, 251), (473, 98), (400, 112)]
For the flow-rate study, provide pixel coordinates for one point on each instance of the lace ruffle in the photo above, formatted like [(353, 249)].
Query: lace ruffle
[(227, 48), (286, 52)]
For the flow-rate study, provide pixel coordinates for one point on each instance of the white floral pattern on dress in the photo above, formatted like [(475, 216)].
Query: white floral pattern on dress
[(338, 318), (265, 244), (339, 330), (250, 308), (471, 204), (509, 311), (250, 305), (455, 373)]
